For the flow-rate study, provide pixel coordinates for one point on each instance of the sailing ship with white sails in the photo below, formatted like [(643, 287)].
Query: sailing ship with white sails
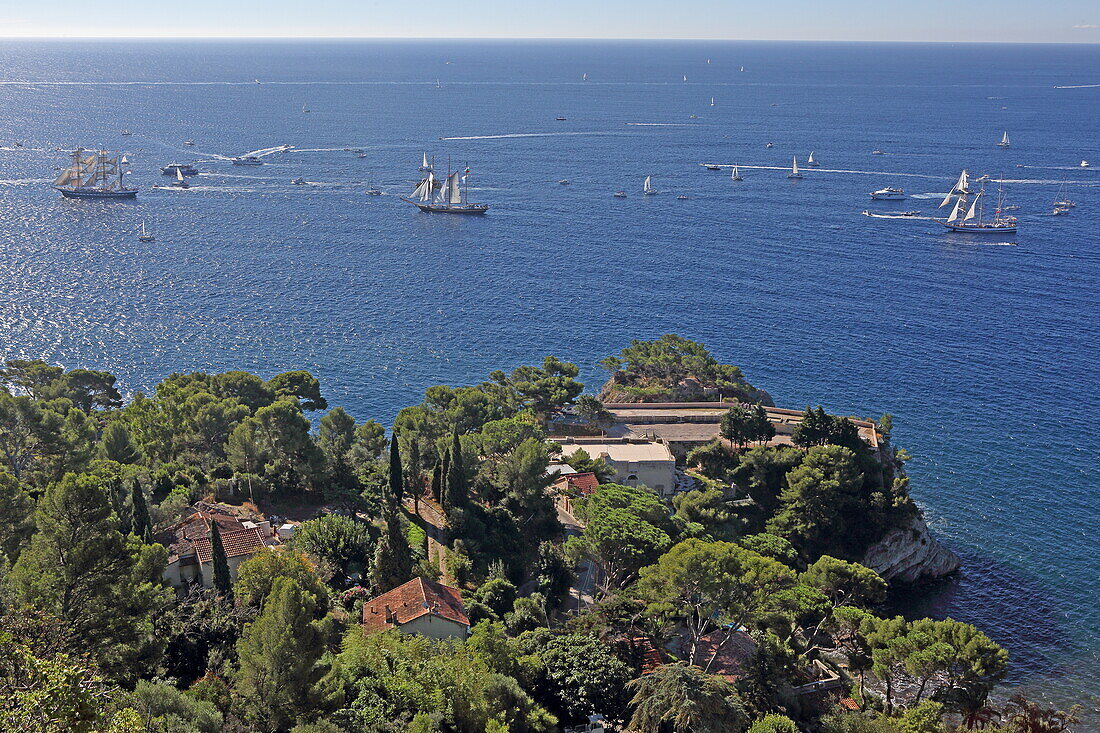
[(968, 211), (735, 175), (145, 236), (647, 186), (810, 162), (1004, 143), (94, 174), (453, 197)]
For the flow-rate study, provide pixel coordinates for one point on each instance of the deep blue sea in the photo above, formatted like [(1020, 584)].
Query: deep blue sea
[(985, 350)]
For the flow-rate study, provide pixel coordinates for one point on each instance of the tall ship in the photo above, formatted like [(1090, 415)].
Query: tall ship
[(452, 198), (968, 212), (94, 174)]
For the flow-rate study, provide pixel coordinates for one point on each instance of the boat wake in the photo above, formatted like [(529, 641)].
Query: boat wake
[(24, 181), (897, 216), (1077, 86), (659, 124), (267, 151), (814, 171), (523, 134)]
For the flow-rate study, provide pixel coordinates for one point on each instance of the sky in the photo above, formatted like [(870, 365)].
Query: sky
[(1052, 21)]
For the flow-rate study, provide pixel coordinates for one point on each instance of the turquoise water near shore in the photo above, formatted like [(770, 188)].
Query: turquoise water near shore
[(985, 350)]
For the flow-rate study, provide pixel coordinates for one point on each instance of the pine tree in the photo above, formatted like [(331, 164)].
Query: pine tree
[(279, 657), (392, 556), (115, 445), (141, 523), (223, 582)]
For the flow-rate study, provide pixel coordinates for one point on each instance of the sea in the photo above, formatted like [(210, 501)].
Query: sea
[(983, 348)]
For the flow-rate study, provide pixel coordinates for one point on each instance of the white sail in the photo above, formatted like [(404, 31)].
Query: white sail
[(1004, 139), (647, 186), (973, 210), (584, 77), (794, 166), (810, 160), (712, 101), (733, 174), (424, 164), (143, 228), (63, 179), (179, 175), (955, 211), (947, 199), (455, 196), (963, 183), (424, 190)]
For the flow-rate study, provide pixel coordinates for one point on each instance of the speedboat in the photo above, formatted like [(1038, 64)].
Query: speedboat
[(770, 145), (909, 213), (681, 197), (876, 151), (1084, 164), (620, 194), (888, 194), (560, 119), (713, 168), (564, 181), (185, 169), (127, 133), (247, 160), (373, 191), (361, 155), (298, 181), (188, 142)]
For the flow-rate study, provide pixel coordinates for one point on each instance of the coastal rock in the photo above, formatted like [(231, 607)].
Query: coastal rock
[(911, 554)]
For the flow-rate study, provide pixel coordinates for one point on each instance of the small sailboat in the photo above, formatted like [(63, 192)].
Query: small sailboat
[(810, 162), (1004, 143), (180, 181), (584, 76), (735, 175), (647, 186), (794, 174), (305, 109), (1061, 202), (712, 101), (145, 236), (742, 68), (425, 166), (685, 77), (373, 190)]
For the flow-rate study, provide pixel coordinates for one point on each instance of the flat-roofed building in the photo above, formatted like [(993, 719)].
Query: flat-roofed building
[(636, 462)]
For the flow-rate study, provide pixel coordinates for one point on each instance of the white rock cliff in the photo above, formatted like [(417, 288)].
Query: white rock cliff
[(911, 554)]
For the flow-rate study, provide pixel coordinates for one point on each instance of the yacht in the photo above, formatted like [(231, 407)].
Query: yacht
[(127, 133), (1084, 164), (681, 197), (770, 145), (188, 142), (810, 162), (1004, 143), (794, 174), (185, 169), (735, 175), (299, 181), (712, 167), (247, 160), (876, 151), (452, 197), (373, 190), (620, 194), (560, 119), (145, 236), (564, 181), (888, 194)]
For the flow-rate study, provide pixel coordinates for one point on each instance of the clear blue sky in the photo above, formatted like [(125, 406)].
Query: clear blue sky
[(1073, 21)]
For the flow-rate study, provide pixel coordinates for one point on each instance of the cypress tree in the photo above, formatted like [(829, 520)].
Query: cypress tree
[(223, 583), (437, 482), (397, 483), (392, 557), (456, 491), (445, 468), (142, 524)]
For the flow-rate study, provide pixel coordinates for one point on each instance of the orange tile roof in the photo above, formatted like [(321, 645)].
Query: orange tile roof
[(849, 703), (236, 543), (585, 483), (651, 655), (412, 600)]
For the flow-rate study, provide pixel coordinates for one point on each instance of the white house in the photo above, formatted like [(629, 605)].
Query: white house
[(636, 462)]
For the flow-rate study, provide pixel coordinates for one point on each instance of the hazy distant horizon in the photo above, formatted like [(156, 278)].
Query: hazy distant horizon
[(981, 21)]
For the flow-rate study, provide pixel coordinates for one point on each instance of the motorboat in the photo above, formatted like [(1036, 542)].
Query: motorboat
[(185, 169), (713, 168), (1083, 164), (620, 194), (888, 194), (564, 181), (299, 181), (876, 151), (681, 197), (247, 160)]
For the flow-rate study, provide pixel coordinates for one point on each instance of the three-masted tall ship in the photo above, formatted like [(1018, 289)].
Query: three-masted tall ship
[(94, 174), (452, 197), (968, 212)]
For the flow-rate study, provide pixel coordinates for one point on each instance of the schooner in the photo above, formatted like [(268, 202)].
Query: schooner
[(93, 174), (968, 212), (452, 197)]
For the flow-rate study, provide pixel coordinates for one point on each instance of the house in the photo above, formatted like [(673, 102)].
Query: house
[(190, 559), (419, 607), (572, 486), (636, 461)]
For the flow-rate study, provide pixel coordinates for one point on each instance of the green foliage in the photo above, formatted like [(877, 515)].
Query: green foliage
[(773, 546), (275, 444), (115, 445), (762, 472), (223, 582), (773, 723), (497, 594), (15, 517), (141, 525), (256, 577), (708, 509), (298, 385), (199, 634), (165, 709), (392, 556), (715, 460), (684, 699), (279, 654), (581, 462), (545, 389), (845, 583), (341, 542)]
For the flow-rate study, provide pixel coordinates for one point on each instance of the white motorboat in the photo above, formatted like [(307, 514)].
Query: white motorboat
[(888, 194)]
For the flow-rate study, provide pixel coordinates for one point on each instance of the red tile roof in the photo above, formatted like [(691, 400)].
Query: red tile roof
[(412, 600), (236, 543), (849, 703), (651, 655), (585, 483)]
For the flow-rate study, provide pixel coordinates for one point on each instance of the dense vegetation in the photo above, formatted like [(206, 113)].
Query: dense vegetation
[(91, 638)]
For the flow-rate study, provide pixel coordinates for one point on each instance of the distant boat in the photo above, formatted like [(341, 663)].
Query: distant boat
[(173, 168), (438, 85), (1084, 164), (742, 68), (1004, 143), (909, 213), (257, 81), (361, 155), (145, 236), (810, 162), (93, 174), (247, 160), (180, 182), (564, 181), (451, 199), (713, 167), (647, 186), (584, 76), (1061, 202), (967, 214), (685, 77), (620, 194), (372, 190), (188, 142), (127, 133), (299, 181), (712, 101), (681, 197), (794, 169), (305, 109), (876, 151), (560, 119), (770, 145), (735, 176), (425, 166), (888, 194)]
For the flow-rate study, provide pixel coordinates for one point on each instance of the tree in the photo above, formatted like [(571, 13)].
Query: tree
[(223, 582), (711, 585), (279, 657), (581, 462), (115, 445), (1026, 716), (813, 429), (88, 389), (736, 426), (592, 411), (256, 577), (760, 429), (845, 583), (822, 501), (770, 545), (684, 699), (393, 556), (456, 492), (15, 517), (299, 385), (167, 709), (28, 434), (762, 472), (141, 523), (341, 542), (773, 723), (544, 389)]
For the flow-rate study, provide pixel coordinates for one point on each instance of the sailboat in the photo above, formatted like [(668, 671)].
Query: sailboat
[(1062, 202), (584, 76), (425, 166), (794, 169), (305, 109), (742, 68), (712, 101), (685, 77), (810, 162), (93, 175), (968, 212), (451, 199), (1004, 143), (735, 176), (647, 186), (145, 236), (179, 182)]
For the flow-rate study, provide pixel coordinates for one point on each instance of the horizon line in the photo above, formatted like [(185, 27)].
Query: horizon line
[(693, 39)]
